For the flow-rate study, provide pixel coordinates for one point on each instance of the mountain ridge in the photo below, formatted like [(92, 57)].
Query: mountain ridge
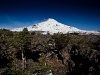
[(52, 26)]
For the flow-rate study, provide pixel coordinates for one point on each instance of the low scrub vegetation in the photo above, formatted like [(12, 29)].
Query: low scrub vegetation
[(28, 53)]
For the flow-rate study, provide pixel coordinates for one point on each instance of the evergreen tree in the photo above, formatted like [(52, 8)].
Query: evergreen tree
[(61, 40), (23, 43)]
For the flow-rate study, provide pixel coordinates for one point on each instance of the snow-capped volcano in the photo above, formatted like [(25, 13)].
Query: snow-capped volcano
[(51, 26)]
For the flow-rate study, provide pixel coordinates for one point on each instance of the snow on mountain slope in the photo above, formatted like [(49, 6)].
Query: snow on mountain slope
[(52, 26)]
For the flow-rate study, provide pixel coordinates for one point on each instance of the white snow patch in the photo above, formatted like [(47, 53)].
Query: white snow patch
[(52, 26)]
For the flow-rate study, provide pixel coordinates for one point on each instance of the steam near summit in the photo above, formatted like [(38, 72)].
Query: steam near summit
[(52, 26)]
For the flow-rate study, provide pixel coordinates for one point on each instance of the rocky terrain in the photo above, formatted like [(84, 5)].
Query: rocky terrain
[(28, 53)]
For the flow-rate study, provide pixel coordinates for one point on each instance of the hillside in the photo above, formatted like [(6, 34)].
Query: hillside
[(23, 53), (52, 26)]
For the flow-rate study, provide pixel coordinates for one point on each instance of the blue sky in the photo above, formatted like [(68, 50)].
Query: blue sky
[(83, 14)]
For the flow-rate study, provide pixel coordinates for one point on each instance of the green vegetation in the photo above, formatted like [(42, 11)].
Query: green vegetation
[(61, 40), (41, 67), (30, 53)]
